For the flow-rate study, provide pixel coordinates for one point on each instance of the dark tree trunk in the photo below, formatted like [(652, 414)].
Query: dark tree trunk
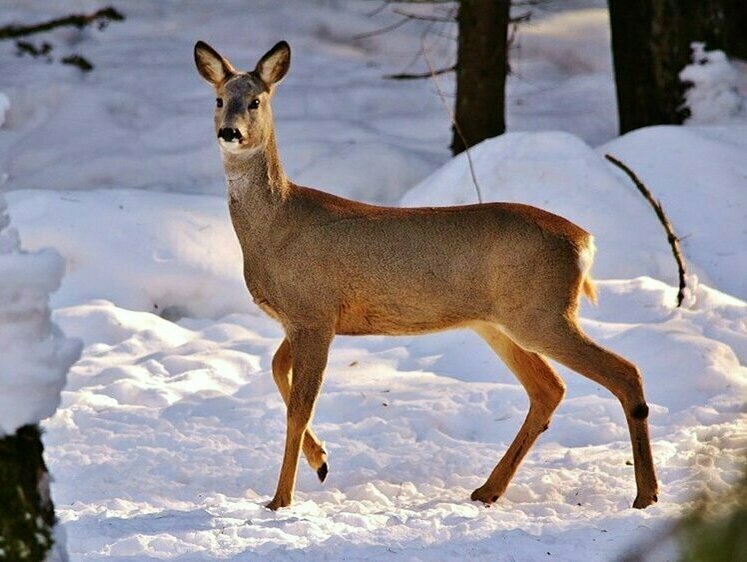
[(26, 510), (481, 71), (651, 44), (735, 28)]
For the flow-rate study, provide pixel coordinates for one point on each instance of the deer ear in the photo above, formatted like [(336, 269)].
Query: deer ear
[(272, 67), (211, 65)]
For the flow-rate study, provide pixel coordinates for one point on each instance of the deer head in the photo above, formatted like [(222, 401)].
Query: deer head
[(243, 117)]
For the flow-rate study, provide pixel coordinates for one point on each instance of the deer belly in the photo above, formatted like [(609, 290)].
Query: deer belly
[(366, 318)]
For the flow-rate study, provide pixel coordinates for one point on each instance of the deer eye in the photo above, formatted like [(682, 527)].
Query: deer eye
[(254, 104), (219, 102)]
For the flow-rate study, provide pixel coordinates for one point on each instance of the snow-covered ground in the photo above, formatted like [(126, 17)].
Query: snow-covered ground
[(170, 434)]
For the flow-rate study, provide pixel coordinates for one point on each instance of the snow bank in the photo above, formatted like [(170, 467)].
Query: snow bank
[(713, 97), (172, 254), (35, 354), (686, 168), (700, 176)]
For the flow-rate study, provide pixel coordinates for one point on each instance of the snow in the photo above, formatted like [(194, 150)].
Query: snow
[(572, 85), (188, 417), (4, 107), (169, 436), (58, 551), (700, 176), (713, 96), (36, 356), (170, 253)]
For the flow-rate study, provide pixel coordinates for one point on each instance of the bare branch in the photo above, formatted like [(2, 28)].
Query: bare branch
[(79, 61), (521, 18), (27, 48), (378, 9), (515, 3), (457, 128), (386, 29), (420, 1), (451, 17), (424, 17), (100, 17), (419, 75), (674, 242)]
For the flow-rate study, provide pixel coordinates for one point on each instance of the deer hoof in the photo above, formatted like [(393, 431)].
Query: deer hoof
[(322, 471), (485, 496), (643, 501), (277, 503)]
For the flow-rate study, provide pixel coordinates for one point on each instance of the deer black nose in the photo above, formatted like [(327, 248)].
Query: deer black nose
[(229, 135)]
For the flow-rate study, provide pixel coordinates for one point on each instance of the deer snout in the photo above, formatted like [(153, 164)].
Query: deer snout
[(229, 135)]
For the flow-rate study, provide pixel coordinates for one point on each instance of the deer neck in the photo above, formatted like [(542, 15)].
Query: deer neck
[(256, 177)]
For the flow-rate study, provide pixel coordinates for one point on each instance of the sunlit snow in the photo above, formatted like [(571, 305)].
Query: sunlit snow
[(169, 437)]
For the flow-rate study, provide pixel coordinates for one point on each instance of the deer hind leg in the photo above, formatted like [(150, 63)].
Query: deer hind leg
[(313, 448), (545, 389), (309, 358), (567, 344)]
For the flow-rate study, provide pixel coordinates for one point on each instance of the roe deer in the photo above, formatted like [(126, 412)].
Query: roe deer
[(323, 265)]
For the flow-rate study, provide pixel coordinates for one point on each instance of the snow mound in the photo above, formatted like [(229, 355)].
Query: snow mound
[(713, 97), (172, 254), (700, 176), (556, 171), (35, 354)]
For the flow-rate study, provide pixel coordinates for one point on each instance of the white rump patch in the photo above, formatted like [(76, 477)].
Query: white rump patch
[(586, 256)]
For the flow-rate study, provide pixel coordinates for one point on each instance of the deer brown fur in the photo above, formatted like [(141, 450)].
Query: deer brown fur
[(322, 265)]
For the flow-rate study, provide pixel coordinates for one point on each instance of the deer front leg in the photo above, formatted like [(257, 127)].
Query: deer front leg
[(313, 449), (310, 348)]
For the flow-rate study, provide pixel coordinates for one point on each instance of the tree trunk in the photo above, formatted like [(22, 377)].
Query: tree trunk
[(651, 44), (735, 28), (26, 510), (481, 71)]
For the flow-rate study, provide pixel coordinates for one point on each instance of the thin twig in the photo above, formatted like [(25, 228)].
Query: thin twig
[(102, 17), (382, 30), (378, 9), (451, 18), (674, 242), (521, 18), (457, 128), (446, 35), (419, 75), (423, 35), (425, 17), (419, 1)]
